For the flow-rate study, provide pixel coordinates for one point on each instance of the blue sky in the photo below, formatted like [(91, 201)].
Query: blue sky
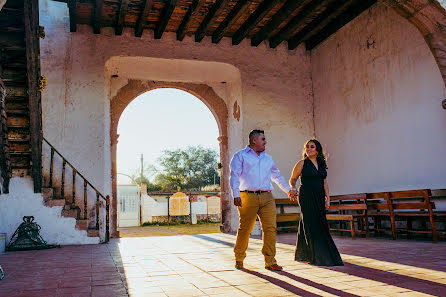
[(162, 119)]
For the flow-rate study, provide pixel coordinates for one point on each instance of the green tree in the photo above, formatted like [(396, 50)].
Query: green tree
[(148, 172), (186, 169)]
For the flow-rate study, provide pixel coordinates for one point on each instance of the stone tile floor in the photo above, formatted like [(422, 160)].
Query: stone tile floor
[(202, 265)]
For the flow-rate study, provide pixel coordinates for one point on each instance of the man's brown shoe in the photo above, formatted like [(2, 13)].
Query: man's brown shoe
[(239, 264), (274, 267)]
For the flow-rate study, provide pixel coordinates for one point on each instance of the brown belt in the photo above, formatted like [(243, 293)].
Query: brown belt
[(256, 192)]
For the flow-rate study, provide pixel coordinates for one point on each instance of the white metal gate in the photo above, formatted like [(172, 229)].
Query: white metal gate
[(128, 206)]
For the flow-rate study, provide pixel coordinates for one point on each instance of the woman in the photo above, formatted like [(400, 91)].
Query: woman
[(314, 242)]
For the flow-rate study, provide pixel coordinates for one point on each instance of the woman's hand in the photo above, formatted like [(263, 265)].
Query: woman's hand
[(327, 202), (293, 195)]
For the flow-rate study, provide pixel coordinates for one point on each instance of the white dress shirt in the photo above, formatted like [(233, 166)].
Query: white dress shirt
[(252, 172)]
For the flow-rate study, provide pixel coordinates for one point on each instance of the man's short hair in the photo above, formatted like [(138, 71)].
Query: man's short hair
[(254, 133)]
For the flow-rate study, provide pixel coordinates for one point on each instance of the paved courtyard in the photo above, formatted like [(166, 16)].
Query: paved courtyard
[(202, 265)]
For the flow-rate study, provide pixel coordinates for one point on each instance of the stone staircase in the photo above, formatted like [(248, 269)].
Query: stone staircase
[(13, 71), (51, 199)]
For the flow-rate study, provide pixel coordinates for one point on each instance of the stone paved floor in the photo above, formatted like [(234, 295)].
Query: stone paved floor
[(202, 265)]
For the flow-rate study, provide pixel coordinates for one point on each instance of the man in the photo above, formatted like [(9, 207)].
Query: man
[(251, 173)]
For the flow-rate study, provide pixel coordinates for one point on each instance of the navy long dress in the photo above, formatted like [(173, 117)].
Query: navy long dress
[(314, 242)]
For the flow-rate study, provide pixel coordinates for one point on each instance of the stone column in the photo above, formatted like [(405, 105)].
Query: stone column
[(224, 181)]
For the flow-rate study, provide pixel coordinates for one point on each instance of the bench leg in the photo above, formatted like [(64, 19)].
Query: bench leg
[(393, 225), (367, 231), (352, 228), (408, 227), (377, 225), (433, 228)]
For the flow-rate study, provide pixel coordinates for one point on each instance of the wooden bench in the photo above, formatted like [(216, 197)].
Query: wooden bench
[(378, 205), (406, 206), (283, 217), (349, 208)]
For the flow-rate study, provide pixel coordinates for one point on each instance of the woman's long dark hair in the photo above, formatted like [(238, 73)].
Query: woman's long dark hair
[(321, 160)]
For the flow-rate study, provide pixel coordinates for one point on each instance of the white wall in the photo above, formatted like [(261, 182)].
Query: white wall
[(273, 89), (378, 107), (21, 201)]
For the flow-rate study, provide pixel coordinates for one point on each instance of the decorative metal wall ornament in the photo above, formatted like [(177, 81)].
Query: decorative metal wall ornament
[(42, 83), (27, 237), (42, 32), (236, 111)]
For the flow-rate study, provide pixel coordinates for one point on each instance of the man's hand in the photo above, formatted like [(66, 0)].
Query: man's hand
[(238, 201), (292, 194)]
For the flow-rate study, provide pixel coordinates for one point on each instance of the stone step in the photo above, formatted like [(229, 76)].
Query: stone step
[(20, 172), (82, 224), (55, 202), (47, 193), (92, 233), (71, 213)]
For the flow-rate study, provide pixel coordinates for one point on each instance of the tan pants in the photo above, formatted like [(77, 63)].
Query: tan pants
[(253, 205)]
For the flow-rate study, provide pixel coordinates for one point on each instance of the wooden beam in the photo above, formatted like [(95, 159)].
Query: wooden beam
[(97, 22), (205, 24), (295, 23), (284, 12), (142, 19), (332, 12), (121, 17), (164, 18), (190, 15), (230, 19), (73, 18), (253, 20), (338, 23), (31, 9)]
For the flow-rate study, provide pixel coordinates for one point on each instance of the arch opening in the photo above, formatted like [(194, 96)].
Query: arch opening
[(214, 103)]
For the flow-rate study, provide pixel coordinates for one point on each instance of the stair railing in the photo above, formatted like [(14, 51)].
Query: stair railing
[(75, 173), (5, 163)]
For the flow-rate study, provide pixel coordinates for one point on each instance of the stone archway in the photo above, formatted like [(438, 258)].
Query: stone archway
[(429, 17), (207, 95)]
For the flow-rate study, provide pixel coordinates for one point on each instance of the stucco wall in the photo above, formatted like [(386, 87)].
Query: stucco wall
[(21, 201), (273, 88), (378, 93)]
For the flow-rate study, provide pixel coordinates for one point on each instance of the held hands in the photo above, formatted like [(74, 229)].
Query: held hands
[(238, 201), (327, 202), (293, 195)]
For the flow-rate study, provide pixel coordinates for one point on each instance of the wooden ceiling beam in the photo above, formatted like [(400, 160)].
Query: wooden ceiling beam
[(142, 19), (97, 21), (332, 12), (284, 12), (123, 6), (169, 7), (338, 23), (191, 13), (295, 23), (253, 20), (230, 19), (73, 18), (206, 23)]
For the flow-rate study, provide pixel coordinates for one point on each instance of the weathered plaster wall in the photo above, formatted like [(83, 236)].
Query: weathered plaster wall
[(22, 201), (273, 88), (377, 92)]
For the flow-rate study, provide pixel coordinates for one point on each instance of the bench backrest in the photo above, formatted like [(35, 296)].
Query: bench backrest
[(285, 201), (379, 201), (412, 200), (348, 202)]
